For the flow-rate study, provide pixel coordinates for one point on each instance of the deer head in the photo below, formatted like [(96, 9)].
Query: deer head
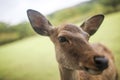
[(73, 51)]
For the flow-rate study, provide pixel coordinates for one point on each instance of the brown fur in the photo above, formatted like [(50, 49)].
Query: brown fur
[(74, 53)]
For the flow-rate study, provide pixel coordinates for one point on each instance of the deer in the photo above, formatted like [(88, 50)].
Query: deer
[(77, 58)]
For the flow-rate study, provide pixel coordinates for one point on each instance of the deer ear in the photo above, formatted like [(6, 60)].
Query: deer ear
[(92, 24), (39, 23)]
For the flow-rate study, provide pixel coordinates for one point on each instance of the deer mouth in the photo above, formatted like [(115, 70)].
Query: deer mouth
[(92, 71)]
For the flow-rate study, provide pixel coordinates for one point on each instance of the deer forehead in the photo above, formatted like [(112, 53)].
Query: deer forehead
[(69, 27), (69, 30)]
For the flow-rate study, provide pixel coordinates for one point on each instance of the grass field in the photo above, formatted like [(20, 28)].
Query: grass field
[(34, 58), (29, 59)]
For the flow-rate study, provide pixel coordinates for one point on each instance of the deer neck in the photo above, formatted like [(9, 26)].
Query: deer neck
[(67, 74)]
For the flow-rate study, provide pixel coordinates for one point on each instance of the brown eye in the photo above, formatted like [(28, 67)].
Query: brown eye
[(62, 39)]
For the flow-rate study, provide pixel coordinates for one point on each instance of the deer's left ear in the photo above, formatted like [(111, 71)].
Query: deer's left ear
[(92, 24)]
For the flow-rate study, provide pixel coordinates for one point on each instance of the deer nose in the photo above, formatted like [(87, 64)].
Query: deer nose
[(101, 62)]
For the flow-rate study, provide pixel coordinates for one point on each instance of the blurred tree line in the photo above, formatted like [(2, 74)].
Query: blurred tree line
[(10, 33), (79, 12), (113, 4), (75, 14)]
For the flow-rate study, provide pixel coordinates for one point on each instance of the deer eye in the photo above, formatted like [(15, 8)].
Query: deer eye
[(62, 39)]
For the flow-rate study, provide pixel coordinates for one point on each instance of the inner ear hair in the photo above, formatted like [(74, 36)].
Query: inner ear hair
[(92, 24)]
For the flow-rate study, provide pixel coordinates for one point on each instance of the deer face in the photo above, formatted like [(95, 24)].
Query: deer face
[(73, 51)]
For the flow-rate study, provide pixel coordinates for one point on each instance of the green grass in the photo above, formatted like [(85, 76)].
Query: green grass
[(29, 59), (34, 58)]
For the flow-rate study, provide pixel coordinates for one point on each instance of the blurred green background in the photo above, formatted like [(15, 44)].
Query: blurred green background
[(24, 55)]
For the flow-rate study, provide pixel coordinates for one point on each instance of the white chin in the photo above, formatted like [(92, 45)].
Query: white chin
[(94, 72), (91, 71)]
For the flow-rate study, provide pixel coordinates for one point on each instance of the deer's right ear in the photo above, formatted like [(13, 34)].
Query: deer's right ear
[(92, 24), (39, 23)]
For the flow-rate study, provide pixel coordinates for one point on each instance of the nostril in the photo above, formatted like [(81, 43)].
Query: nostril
[(101, 62)]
